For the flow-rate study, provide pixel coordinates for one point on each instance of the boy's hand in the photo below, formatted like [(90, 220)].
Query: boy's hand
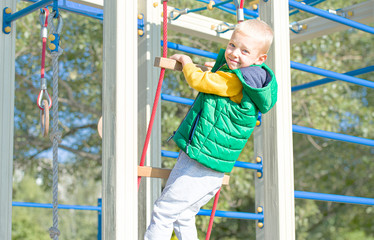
[(209, 64), (183, 59)]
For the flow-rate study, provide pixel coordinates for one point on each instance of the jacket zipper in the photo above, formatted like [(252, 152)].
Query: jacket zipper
[(192, 132), (183, 119)]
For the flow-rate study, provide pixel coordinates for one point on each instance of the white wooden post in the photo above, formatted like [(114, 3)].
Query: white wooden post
[(273, 140), (7, 74), (148, 48), (120, 127)]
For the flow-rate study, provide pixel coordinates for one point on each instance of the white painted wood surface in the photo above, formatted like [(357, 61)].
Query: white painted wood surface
[(7, 74), (318, 26), (148, 76), (120, 122), (276, 135)]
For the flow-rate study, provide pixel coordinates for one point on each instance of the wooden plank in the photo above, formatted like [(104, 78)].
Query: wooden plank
[(275, 190), (7, 79), (120, 121), (154, 172), (172, 64)]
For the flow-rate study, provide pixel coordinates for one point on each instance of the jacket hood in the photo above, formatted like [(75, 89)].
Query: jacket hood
[(264, 98)]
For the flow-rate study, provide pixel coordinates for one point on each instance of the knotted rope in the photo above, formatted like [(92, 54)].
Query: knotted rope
[(55, 136)]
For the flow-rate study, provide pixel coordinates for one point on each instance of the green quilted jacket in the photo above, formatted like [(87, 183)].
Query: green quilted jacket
[(216, 129)]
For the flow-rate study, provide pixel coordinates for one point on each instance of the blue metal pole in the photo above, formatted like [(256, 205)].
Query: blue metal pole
[(328, 80), (99, 204), (169, 154), (248, 165), (334, 198), (228, 214), (331, 16), (331, 74), (332, 135), (175, 99), (60, 206), (240, 164), (27, 10), (190, 50)]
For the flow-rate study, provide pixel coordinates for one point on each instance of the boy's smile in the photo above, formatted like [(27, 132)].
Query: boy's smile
[(243, 51)]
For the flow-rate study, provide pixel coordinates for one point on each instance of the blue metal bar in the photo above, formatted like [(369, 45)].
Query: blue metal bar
[(99, 204), (331, 16), (248, 165), (60, 206), (79, 9), (175, 99), (240, 164), (331, 74), (169, 154), (228, 214), (190, 50), (334, 198), (332, 135), (27, 10), (328, 80)]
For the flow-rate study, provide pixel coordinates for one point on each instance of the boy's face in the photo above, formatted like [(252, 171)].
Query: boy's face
[(243, 51)]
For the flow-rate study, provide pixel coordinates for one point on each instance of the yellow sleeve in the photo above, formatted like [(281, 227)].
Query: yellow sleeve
[(219, 83)]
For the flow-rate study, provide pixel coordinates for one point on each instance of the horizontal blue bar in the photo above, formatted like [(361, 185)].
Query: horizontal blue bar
[(61, 206), (79, 9), (248, 165), (228, 214), (169, 154), (333, 198), (331, 16), (330, 74), (240, 164), (328, 80), (175, 99), (27, 10), (190, 50), (332, 135)]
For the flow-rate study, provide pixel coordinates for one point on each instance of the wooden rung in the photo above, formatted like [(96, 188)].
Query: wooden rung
[(164, 173), (174, 65)]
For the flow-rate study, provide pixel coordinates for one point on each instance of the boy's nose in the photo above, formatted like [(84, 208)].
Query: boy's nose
[(236, 52)]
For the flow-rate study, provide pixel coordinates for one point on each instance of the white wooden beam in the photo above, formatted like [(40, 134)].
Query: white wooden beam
[(199, 26), (148, 76), (273, 140), (120, 123), (318, 26), (7, 74)]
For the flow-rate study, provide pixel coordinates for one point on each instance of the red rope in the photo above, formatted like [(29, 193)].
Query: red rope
[(241, 4), (42, 70), (158, 91), (212, 215)]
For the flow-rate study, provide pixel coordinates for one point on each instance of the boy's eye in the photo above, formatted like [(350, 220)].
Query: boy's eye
[(245, 51), (231, 45)]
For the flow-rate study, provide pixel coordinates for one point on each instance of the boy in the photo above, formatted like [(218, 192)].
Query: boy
[(216, 128)]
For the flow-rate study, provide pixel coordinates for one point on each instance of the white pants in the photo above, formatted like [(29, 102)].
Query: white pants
[(189, 187)]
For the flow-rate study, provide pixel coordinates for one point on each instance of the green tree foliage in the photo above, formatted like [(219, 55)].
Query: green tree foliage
[(320, 165)]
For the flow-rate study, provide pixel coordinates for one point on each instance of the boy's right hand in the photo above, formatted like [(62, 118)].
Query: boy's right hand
[(183, 59)]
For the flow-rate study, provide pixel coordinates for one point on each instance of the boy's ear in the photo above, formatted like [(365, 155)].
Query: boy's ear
[(261, 59)]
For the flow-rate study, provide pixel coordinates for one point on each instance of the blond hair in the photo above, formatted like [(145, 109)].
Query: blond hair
[(259, 29)]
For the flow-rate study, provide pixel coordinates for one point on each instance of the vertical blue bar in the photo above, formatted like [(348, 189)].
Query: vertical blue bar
[(99, 204)]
